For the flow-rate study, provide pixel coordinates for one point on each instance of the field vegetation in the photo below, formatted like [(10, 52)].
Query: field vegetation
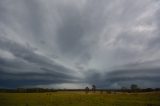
[(80, 98)]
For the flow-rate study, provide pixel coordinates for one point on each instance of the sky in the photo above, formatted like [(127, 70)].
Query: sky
[(77, 43)]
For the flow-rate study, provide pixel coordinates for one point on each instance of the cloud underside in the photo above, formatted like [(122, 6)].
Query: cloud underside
[(72, 44)]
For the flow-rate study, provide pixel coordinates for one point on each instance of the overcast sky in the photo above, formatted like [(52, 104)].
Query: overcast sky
[(77, 43)]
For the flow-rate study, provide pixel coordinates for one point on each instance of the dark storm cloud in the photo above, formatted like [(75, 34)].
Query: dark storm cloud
[(23, 52), (59, 42), (119, 78), (27, 54), (14, 80), (28, 68)]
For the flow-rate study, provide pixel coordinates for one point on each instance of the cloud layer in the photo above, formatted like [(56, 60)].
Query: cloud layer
[(59, 43)]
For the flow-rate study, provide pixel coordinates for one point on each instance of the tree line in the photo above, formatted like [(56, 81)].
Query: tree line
[(93, 89)]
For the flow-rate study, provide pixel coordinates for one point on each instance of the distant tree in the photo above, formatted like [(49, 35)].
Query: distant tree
[(123, 88), (93, 88), (134, 87), (148, 89), (86, 90)]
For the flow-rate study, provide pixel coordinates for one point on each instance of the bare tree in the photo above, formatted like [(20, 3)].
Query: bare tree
[(93, 88), (86, 90), (134, 87)]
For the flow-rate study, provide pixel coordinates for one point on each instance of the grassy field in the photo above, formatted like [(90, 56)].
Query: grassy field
[(79, 99)]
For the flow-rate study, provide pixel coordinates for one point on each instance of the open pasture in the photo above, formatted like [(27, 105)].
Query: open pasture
[(80, 99)]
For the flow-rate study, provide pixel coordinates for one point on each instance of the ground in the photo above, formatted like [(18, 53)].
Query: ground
[(80, 99)]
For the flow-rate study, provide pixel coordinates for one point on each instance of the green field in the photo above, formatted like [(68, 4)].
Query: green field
[(79, 99)]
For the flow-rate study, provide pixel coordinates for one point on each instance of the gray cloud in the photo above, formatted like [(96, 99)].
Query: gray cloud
[(124, 77), (70, 43), (71, 33), (27, 66)]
